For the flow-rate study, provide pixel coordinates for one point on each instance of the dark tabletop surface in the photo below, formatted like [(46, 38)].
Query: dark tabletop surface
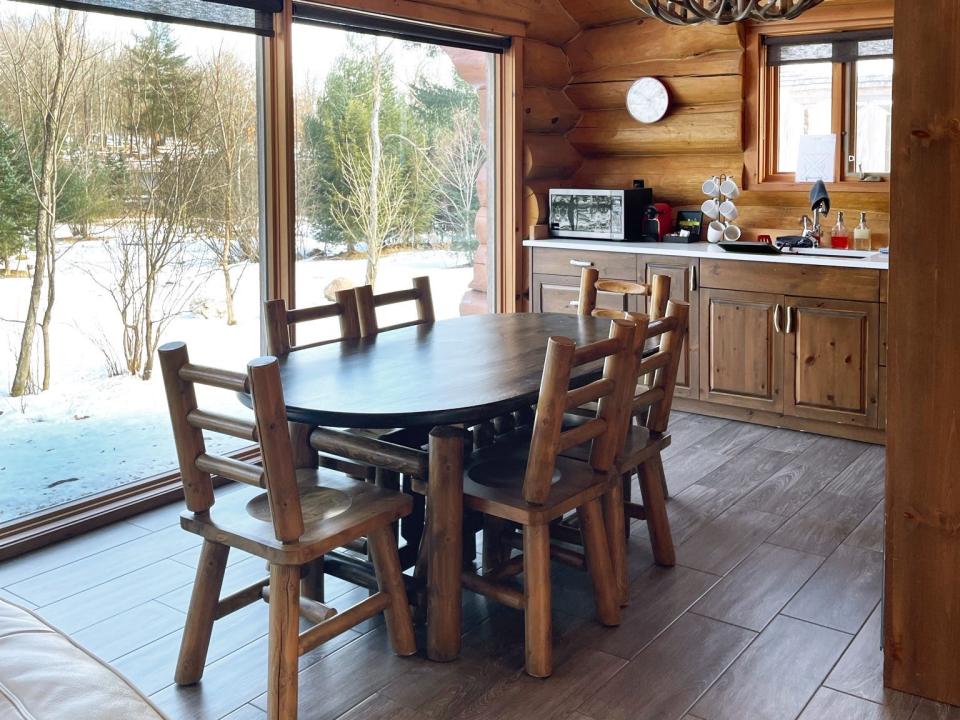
[(462, 370)]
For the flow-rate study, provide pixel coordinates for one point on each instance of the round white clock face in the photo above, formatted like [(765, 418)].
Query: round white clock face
[(647, 100)]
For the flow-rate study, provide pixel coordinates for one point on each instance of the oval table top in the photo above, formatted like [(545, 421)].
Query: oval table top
[(462, 370)]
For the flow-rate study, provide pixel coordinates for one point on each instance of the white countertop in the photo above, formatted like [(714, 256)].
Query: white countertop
[(823, 256)]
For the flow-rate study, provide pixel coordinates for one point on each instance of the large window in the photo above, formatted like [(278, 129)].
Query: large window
[(129, 216), (840, 84), (393, 167)]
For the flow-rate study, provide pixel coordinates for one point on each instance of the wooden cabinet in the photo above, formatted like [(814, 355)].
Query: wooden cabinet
[(741, 354), (550, 261), (832, 368), (683, 274)]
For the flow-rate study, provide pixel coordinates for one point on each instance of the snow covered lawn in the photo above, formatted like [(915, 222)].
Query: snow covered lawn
[(91, 432)]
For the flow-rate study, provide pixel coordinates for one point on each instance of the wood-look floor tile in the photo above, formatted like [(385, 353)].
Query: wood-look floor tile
[(829, 704), (757, 589), (111, 598), (657, 598), (929, 710), (241, 677), (686, 467), (864, 478), (733, 438), (869, 534), (379, 707), (16, 600), (804, 476), (524, 697), (788, 441), (746, 470), (722, 543), (843, 592), (777, 675), (694, 507), (238, 576), (666, 678), (80, 575), (151, 667), (860, 671), (687, 429), (823, 523), (247, 712), (342, 680), (130, 630), (161, 517), (68, 551)]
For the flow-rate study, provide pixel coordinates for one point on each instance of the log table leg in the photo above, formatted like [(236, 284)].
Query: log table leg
[(444, 543)]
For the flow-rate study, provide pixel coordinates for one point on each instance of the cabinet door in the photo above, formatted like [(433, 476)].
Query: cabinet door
[(741, 353), (560, 294), (833, 367), (682, 272)]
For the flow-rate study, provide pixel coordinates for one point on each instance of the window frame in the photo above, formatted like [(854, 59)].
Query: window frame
[(761, 104)]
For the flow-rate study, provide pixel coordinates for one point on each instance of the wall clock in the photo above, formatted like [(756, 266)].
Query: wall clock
[(648, 100)]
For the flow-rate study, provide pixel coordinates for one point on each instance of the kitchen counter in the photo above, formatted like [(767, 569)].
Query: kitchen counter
[(823, 257)]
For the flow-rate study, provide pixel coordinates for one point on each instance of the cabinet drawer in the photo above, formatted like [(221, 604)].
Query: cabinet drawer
[(620, 266), (559, 294), (816, 281)]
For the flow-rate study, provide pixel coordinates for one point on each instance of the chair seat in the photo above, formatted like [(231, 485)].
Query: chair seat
[(336, 509), (493, 482), (639, 446)]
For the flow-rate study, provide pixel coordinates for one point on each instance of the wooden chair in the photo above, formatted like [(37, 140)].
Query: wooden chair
[(530, 483), (658, 292), (367, 304), (647, 436), (281, 323), (289, 518)]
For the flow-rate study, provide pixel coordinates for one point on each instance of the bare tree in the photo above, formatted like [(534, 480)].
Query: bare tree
[(42, 62), (232, 207)]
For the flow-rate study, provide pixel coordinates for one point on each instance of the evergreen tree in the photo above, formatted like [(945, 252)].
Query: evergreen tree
[(18, 205), (159, 85)]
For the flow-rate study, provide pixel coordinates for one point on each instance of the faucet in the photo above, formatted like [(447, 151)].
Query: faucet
[(812, 232)]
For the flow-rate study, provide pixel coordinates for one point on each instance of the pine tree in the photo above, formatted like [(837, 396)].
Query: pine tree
[(18, 205)]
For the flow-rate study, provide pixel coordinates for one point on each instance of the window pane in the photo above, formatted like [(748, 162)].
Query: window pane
[(393, 178), (149, 234), (806, 103), (794, 53), (875, 47), (874, 104)]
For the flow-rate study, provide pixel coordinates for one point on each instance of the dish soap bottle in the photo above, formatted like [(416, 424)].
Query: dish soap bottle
[(840, 238), (861, 235)]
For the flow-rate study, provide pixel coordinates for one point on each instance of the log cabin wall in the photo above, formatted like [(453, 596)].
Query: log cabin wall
[(708, 130)]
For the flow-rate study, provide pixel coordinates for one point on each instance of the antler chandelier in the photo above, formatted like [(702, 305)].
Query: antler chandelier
[(722, 12)]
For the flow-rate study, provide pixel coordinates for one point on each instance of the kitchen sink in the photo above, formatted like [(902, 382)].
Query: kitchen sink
[(829, 252)]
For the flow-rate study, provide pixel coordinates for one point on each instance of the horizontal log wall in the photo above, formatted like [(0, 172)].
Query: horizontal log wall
[(703, 134)]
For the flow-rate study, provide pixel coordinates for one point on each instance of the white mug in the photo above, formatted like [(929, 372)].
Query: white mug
[(729, 189), (729, 210), (716, 231), (711, 187), (711, 208), (731, 233)]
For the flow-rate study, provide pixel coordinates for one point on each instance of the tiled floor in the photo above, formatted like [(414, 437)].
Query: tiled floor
[(772, 612)]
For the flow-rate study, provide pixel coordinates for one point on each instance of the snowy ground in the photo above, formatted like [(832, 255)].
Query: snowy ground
[(91, 432)]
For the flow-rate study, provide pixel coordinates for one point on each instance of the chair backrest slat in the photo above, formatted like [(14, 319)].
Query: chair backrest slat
[(223, 424), (232, 469), (614, 392), (278, 473), (591, 284), (368, 302), (665, 378), (281, 323)]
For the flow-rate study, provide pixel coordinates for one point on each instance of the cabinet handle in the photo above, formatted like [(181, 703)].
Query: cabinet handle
[(694, 284), (581, 263), (790, 319), (776, 318), (574, 303)]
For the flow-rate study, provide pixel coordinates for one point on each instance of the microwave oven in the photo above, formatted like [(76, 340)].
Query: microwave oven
[(601, 214)]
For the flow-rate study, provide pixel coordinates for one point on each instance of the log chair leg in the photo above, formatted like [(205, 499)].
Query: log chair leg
[(383, 546), (627, 484), (311, 581), (444, 536), (538, 629), (200, 615), (655, 506), (495, 550), (614, 519), (284, 642), (598, 563)]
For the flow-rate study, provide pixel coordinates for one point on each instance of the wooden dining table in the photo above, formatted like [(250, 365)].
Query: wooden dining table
[(442, 376)]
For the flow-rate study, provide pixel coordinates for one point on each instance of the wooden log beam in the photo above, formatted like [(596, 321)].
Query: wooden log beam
[(545, 65), (548, 111), (549, 156)]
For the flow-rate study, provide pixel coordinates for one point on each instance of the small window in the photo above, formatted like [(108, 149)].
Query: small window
[(838, 84)]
